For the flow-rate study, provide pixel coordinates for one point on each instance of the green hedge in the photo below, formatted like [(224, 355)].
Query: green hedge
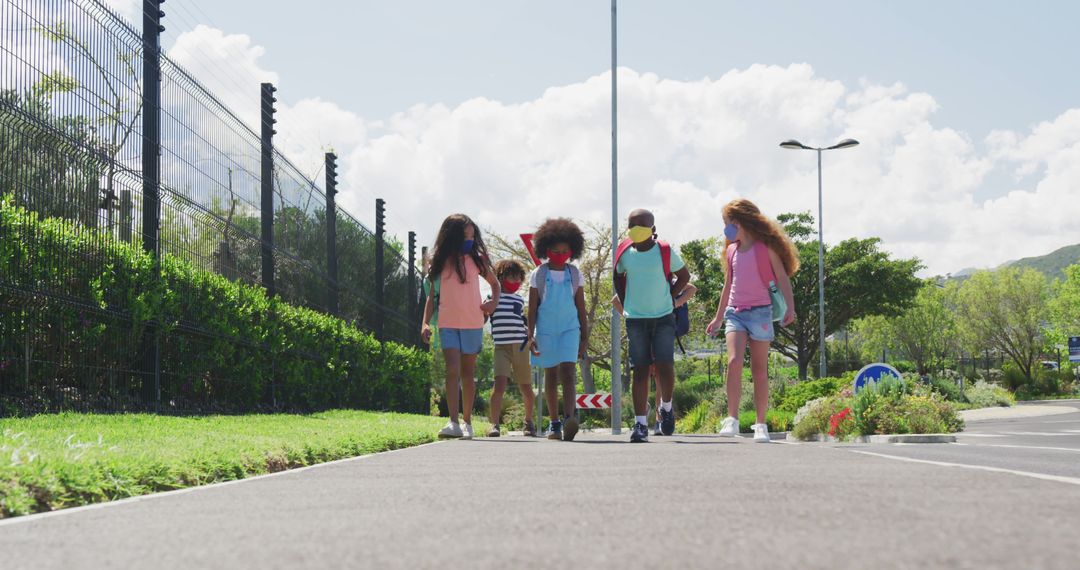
[(85, 303)]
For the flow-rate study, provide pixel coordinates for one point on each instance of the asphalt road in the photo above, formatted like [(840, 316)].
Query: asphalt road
[(682, 502)]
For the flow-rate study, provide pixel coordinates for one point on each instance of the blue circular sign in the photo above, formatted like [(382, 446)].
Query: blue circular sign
[(873, 373)]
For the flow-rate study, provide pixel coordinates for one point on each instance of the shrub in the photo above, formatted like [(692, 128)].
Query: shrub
[(797, 395), (225, 346), (947, 388), (986, 395), (815, 415), (777, 420)]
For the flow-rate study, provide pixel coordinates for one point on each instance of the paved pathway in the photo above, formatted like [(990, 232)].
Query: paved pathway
[(682, 502)]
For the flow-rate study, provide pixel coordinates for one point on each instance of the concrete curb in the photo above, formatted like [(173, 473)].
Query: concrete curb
[(1019, 411), (890, 438)]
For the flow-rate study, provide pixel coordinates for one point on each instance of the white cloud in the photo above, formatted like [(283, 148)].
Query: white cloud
[(685, 148), (131, 10)]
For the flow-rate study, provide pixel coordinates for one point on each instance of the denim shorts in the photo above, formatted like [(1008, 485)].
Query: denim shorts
[(757, 322), (651, 340), (468, 341)]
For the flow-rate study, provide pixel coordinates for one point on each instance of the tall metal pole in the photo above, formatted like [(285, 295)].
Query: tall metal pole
[(380, 274), (332, 305), (820, 273), (267, 180), (616, 334), (151, 171)]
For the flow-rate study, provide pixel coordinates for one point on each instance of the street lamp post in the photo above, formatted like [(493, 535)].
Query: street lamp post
[(796, 145)]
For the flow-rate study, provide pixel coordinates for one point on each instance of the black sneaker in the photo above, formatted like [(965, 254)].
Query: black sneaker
[(667, 421), (570, 428), (640, 434), (555, 430)]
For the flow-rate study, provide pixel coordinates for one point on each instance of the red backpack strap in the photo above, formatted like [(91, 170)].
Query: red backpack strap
[(623, 246), (665, 258), (764, 266)]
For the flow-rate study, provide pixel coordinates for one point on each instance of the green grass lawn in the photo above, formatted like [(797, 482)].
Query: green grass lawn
[(50, 462)]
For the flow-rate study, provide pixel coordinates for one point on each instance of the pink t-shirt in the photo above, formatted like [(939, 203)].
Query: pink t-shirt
[(459, 303), (747, 289)]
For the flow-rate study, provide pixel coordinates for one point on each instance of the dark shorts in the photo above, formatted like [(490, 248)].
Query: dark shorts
[(651, 340)]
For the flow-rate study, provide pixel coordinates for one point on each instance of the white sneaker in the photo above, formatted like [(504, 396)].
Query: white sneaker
[(729, 427), (467, 431), (451, 431), (761, 433)]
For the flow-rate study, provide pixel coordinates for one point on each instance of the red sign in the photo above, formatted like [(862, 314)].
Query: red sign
[(597, 401), (528, 240)]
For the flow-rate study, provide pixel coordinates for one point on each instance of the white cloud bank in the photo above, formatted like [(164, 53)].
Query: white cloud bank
[(686, 148)]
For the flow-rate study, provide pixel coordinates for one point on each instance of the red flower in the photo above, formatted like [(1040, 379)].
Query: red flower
[(836, 419)]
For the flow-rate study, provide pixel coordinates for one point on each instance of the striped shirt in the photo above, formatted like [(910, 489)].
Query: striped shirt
[(508, 322)]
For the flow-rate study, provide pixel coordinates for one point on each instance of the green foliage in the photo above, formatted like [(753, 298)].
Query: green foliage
[(777, 420), (986, 395), (65, 460), (798, 394), (947, 389), (1054, 264), (244, 340), (886, 407)]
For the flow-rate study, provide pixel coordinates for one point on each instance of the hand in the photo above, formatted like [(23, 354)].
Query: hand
[(532, 347), (425, 333), (789, 317), (583, 348), (714, 327), (489, 307)]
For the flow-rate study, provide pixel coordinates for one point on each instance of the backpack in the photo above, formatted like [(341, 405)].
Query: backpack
[(541, 277), (767, 276), (682, 314)]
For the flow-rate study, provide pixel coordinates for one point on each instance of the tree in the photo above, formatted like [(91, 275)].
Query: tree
[(1006, 310), (927, 331), (860, 280), (1065, 306), (704, 259)]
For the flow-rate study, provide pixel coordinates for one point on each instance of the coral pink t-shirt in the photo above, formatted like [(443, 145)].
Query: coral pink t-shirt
[(747, 289), (459, 303)]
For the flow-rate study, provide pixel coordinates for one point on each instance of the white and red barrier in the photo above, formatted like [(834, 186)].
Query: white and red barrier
[(598, 401)]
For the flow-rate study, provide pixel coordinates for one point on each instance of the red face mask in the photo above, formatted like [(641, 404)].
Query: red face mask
[(559, 258), (509, 287)]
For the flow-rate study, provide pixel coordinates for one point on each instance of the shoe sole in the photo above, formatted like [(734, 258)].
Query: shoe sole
[(570, 429), (554, 437), (447, 436), (494, 434), (642, 440)]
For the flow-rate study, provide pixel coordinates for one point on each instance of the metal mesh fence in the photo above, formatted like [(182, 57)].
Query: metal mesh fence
[(72, 102)]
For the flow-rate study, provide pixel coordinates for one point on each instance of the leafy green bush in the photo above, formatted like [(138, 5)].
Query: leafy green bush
[(986, 395), (777, 420), (814, 416), (947, 388), (225, 346), (797, 395)]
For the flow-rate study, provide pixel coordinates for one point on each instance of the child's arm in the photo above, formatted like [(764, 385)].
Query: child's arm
[(687, 293), (784, 283), (583, 318), (617, 303), (714, 326), (682, 277), (429, 309), (530, 322), (490, 306)]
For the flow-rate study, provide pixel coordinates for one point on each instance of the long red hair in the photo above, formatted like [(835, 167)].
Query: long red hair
[(764, 229)]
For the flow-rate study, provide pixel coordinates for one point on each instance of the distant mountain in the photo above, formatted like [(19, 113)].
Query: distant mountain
[(1052, 264)]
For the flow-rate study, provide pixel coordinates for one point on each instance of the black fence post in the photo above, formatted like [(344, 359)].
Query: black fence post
[(331, 234), (380, 269), (151, 173), (414, 322), (267, 179)]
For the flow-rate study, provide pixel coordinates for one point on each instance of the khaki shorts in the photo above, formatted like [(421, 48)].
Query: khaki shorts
[(513, 362)]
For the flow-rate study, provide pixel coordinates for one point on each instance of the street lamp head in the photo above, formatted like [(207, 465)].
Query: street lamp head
[(794, 145), (846, 143)]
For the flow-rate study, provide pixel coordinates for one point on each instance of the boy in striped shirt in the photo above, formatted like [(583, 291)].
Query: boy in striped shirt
[(510, 334)]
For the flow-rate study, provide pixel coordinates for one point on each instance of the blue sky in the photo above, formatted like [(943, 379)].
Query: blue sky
[(969, 111)]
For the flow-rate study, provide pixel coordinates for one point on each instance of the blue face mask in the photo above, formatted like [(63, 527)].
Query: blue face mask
[(731, 231), (466, 246)]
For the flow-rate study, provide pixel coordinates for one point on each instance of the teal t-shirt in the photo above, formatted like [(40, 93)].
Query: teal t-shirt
[(648, 293)]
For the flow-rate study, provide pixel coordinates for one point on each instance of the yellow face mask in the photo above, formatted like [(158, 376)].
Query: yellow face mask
[(639, 234)]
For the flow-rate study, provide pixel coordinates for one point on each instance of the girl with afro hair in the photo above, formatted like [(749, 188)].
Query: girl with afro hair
[(557, 325)]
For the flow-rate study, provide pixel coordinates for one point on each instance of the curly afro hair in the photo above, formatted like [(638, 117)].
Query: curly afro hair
[(508, 268), (559, 230)]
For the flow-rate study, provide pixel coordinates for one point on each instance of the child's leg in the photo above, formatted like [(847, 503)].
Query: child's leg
[(468, 386), (736, 348), (657, 399), (665, 381), (452, 356), (529, 400), (496, 399), (759, 370), (568, 377), (551, 391), (641, 390)]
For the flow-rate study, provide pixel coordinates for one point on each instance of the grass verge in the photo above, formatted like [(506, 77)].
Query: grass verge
[(51, 462)]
